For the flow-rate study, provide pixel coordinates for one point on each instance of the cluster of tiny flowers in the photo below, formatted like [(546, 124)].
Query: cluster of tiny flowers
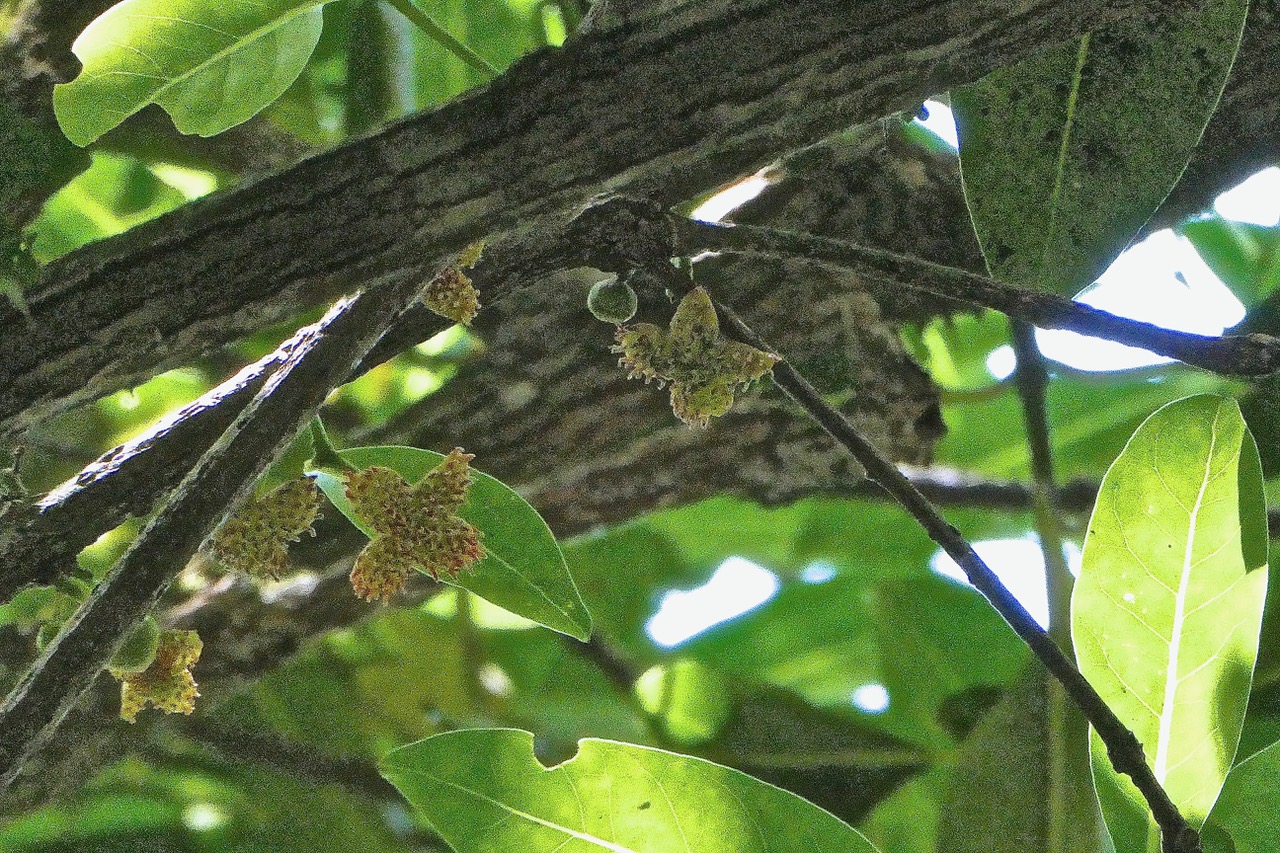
[(703, 367), (453, 296), (167, 683), (254, 540), (417, 526)]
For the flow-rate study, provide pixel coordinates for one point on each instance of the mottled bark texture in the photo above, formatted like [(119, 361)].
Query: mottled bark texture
[(663, 108), (210, 274), (546, 407)]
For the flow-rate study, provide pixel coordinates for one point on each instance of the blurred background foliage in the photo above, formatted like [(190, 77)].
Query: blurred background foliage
[(779, 691)]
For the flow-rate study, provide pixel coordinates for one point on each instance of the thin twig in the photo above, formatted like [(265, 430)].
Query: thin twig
[(1231, 355), (1123, 747), (224, 475)]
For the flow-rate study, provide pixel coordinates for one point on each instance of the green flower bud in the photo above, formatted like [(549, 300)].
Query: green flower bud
[(612, 301)]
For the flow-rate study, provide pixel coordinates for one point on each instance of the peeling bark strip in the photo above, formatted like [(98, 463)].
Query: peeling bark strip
[(663, 108)]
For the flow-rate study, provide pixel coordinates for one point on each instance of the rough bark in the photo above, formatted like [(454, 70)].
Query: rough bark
[(66, 669), (662, 108)]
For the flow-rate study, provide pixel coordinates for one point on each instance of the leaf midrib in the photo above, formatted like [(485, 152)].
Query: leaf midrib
[(1161, 764), (532, 818), (238, 43)]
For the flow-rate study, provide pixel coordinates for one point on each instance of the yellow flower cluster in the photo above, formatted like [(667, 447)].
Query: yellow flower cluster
[(703, 367), (167, 683), (418, 527), (254, 540)]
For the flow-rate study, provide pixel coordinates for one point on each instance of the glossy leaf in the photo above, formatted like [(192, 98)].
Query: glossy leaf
[(523, 569), (1089, 421), (1168, 605), (1066, 154), (483, 790), (211, 66)]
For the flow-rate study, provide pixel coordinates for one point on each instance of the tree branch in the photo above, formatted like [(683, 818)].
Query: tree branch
[(225, 474), (641, 107), (1123, 747), (1231, 355)]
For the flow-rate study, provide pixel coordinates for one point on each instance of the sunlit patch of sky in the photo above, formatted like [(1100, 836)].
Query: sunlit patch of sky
[(940, 122), (738, 586), (1255, 200), (817, 572), (202, 817), (1161, 280), (1019, 563), (871, 698), (731, 198)]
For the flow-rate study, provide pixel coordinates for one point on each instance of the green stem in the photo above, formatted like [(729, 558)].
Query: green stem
[(1068, 735), (323, 453), (423, 22), (1032, 382)]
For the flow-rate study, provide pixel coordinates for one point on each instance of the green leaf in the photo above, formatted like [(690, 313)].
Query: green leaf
[(1249, 805), (1246, 257), (1167, 609), (211, 66), (1065, 155), (483, 790), (1009, 793), (380, 49), (523, 569), (816, 753), (939, 640)]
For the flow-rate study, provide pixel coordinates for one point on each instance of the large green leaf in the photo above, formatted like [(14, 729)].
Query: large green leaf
[(1066, 154), (941, 646), (1091, 418), (1249, 807), (1246, 257), (209, 65), (483, 790), (1168, 606), (1011, 793), (523, 569)]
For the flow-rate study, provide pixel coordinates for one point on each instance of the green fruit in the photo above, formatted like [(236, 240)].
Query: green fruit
[(139, 650), (612, 301)]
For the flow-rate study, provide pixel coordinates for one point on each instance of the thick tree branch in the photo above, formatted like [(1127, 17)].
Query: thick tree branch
[(32, 711), (1231, 355), (1123, 747), (41, 546), (280, 755), (663, 108)]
